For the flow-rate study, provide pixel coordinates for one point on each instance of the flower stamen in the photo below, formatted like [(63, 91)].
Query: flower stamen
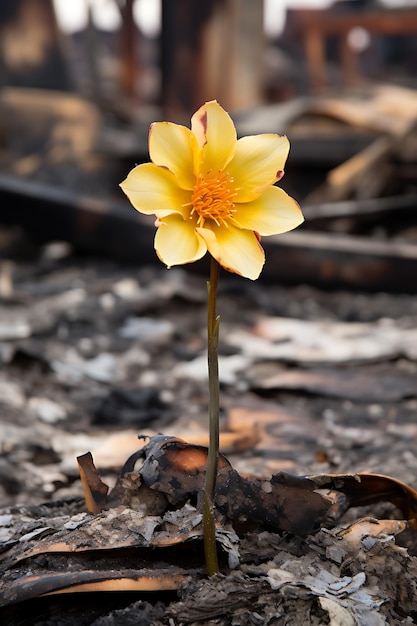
[(212, 198)]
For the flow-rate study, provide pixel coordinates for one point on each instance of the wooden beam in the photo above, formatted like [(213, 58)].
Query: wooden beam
[(388, 22), (322, 259), (316, 25)]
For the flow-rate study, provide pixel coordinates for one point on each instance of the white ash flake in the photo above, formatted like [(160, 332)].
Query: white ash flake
[(47, 410)]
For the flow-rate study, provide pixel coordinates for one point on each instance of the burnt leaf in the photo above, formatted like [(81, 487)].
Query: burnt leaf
[(37, 586), (297, 504), (94, 489), (364, 489), (286, 502)]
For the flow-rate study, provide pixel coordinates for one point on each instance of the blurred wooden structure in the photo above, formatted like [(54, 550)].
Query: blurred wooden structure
[(316, 26), (211, 50), (31, 46), (352, 165)]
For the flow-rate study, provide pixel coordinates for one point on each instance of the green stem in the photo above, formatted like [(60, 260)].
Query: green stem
[(209, 527)]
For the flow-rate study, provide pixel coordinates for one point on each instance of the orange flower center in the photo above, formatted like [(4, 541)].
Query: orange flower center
[(213, 197)]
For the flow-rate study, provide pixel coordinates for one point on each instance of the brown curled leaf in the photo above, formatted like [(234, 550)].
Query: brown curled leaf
[(94, 489), (286, 502), (364, 489), (177, 468), (87, 581), (297, 504)]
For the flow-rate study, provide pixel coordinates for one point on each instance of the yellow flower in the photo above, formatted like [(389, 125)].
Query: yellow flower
[(211, 191)]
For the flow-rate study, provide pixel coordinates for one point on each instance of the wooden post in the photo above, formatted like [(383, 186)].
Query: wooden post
[(129, 36), (349, 60), (232, 59), (31, 52), (211, 50), (316, 61)]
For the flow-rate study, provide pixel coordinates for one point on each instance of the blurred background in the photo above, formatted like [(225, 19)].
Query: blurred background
[(80, 83), (176, 54)]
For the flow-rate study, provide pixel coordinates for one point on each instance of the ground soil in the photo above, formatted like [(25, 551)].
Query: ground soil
[(95, 352)]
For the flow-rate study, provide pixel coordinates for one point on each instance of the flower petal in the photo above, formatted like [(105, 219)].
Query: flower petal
[(215, 133), (236, 250), (258, 162), (170, 146), (154, 190), (272, 213), (177, 242)]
